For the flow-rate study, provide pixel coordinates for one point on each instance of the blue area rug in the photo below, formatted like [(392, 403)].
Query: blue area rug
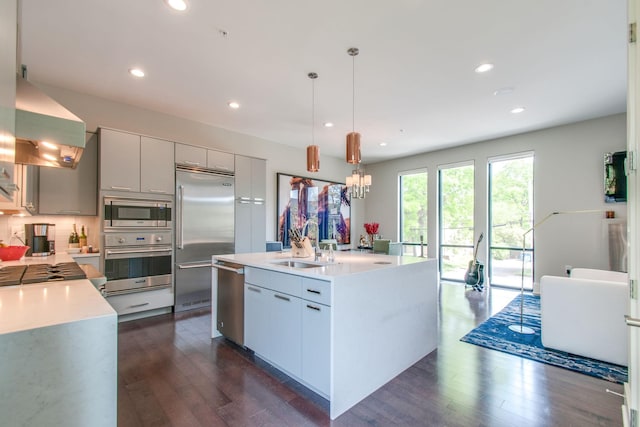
[(495, 334)]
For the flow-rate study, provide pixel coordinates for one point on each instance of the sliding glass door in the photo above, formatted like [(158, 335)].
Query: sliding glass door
[(455, 212)]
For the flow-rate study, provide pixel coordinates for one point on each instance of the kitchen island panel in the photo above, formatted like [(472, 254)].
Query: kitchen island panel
[(383, 322), (64, 374), (381, 313)]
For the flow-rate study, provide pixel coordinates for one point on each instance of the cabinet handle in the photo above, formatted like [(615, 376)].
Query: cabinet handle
[(187, 162), (141, 281), (281, 297), (631, 321), (251, 288), (180, 207), (313, 291), (139, 305), (68, 212), (151, 190), (312, 307), (113, 187)]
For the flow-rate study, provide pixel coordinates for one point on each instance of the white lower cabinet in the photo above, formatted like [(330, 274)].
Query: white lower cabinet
[(316, 351), (257, 331), (291, 332), (141, 301), (286, 330)]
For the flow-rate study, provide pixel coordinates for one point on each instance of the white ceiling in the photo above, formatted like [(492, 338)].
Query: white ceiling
[(415, 85)]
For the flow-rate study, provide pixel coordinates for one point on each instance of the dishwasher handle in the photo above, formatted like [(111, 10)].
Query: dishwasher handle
[(224, 267)]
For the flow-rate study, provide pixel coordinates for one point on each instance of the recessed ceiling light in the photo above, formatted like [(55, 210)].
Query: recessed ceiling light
[(483, 68), (383, 144), (517, 110), (179, 5), (234, 105), (136, 72), (503, 91), (328, 125)]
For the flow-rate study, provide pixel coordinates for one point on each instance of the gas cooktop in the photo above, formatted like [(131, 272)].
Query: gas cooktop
[(38, 273)]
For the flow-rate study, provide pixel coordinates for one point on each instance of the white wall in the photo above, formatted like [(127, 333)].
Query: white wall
[(280, 158), (568, 175)]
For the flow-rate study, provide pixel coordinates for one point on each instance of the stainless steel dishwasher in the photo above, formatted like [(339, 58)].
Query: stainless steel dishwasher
[(230, 307)]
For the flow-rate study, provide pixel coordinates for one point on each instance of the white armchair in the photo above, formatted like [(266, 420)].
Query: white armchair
[(584, 314)]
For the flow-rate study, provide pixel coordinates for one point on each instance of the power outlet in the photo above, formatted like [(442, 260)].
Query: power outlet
[(17, 231), (567, 270)]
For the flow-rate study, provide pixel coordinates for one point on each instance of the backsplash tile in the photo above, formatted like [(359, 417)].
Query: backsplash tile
[(64, 226)]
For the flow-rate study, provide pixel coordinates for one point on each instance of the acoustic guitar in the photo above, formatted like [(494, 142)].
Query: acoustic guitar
[(475, 273)]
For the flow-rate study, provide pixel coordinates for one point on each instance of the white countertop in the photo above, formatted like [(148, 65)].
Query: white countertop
[(51, 259), (38, 305), (345, 263)]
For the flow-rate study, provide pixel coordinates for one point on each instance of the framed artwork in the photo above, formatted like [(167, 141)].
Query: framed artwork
[(615, 178), (317, 209)]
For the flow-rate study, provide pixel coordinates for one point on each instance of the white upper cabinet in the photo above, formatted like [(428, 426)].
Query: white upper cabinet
[(8, 20), (250, 229), (130, 162), (119, 161), (220, 161), (191, 156), (200, 157), (157, 173), (71, 191)]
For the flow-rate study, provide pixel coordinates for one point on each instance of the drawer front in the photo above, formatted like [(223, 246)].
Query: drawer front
[(316, 290), (141, 301), (279, 282)]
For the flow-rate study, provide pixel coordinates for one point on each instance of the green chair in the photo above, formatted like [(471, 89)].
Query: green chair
[(326, 243), (381, 246)]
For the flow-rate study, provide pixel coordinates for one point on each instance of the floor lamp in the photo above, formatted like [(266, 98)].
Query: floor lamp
[(520, 328)]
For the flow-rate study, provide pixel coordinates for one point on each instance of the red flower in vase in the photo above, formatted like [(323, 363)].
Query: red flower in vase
[(371, 227)]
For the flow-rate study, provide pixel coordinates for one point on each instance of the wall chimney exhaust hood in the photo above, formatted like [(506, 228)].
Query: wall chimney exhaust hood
[(47, 134)]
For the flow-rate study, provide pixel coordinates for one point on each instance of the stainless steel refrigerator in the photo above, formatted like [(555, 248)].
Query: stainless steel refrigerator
[(204, 227)]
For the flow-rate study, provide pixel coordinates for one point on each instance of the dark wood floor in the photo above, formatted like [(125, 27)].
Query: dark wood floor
[(172, 374)]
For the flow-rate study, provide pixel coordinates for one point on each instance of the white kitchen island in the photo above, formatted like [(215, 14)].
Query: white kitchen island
[(343, 329), (58, 353)]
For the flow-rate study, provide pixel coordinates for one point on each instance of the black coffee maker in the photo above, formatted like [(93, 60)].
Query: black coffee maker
[(37, 237)]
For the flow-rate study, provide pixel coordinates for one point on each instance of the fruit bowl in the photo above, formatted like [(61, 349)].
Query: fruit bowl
[(12, 253)]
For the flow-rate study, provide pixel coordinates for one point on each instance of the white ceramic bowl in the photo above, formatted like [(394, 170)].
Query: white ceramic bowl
[(73, 250)]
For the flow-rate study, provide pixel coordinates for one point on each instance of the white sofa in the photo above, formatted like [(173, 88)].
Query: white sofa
[(584, 314)]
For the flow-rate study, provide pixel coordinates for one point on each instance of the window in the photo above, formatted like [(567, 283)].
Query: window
[(510, 216), (456, 196), (413, 211)]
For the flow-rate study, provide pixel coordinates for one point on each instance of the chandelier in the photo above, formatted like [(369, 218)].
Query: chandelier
[(358, 184)]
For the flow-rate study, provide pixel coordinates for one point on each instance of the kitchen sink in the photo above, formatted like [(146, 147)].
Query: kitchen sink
[(297, 264)]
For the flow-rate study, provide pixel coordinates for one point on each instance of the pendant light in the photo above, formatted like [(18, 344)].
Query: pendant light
[(353, 138), (313, 151), (358, 183)]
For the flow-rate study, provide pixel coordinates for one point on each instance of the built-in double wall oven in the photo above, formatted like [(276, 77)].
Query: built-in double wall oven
[(137, 246)]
